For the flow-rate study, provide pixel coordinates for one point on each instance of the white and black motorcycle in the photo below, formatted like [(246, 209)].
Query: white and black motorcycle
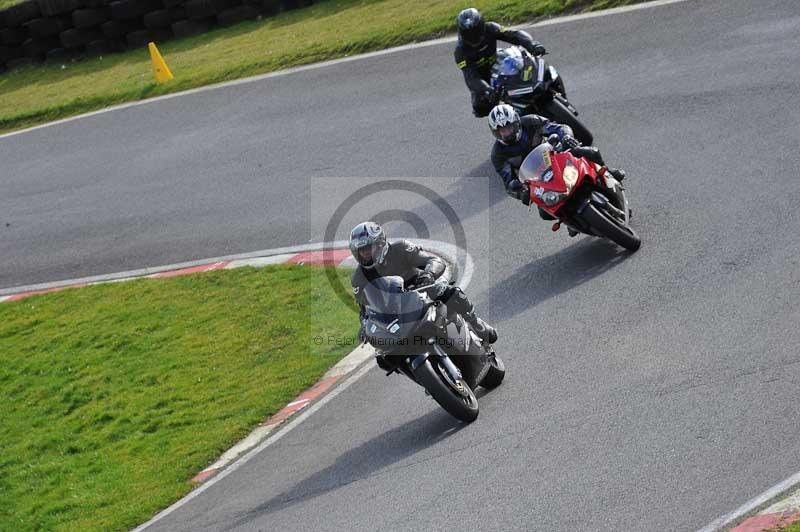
[(531, 86)]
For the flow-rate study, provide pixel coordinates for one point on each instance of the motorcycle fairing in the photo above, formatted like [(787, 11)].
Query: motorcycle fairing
[(556, 172)]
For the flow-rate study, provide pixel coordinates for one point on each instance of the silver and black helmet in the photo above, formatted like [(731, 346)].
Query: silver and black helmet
[(368, 244), (505, 124)]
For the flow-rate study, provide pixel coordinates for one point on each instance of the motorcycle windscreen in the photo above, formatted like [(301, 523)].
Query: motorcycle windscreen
[(538, 165), (388, 302), (508, 65), (511, 66)]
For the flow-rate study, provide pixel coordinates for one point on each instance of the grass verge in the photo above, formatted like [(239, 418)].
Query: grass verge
[(115, 395), (329, 29)]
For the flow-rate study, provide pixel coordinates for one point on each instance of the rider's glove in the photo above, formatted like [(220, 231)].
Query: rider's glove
[(517, 190), (569, 142), (492, 95), (525, 196), (424, 279), (537, 48)]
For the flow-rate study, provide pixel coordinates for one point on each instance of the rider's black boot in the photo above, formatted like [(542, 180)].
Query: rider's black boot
[(617, 173), (485, 332)]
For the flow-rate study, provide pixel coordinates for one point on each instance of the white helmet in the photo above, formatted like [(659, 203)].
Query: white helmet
[(505, 124)]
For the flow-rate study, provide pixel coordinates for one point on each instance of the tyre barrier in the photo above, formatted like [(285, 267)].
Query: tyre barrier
[(19, 62), (140, 38), (47, 27), (158, 19), (16, 16), (60, 31), (75, 38), (13, 36), (237, 14), (117, 29), (37, 48), (89, 18), (187, 28), (51, 8), (57, 55)]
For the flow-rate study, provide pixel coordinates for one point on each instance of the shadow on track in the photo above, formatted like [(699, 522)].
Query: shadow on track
[(481, 180), (362, 462), (554, 274)]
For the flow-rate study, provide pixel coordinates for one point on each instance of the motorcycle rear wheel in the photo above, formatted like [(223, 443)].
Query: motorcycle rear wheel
[(558, 112), (624, 236), (462, 407), (497, 372)]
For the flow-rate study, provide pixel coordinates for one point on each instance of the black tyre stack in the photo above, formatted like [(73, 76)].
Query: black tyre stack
[(57, 14), (62, 30), (90, 19), (14, 34)]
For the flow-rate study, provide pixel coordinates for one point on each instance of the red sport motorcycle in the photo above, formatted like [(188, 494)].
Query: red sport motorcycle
[(580, 194)]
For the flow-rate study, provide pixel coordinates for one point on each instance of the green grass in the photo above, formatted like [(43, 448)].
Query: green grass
[(8, 3), (329, 29), (795, 527), (114, 396)]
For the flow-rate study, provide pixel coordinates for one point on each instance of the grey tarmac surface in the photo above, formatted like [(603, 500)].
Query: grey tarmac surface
[(653, 391)]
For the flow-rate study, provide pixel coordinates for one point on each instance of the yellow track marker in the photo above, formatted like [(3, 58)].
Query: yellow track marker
[(160, 68)]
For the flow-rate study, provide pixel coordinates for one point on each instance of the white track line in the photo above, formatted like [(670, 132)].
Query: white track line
[(143, 272), (255, 258), (333, 62), (752, 504), (788, 504)]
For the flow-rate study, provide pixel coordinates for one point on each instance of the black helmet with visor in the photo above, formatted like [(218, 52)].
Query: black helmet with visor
[(471, 27)]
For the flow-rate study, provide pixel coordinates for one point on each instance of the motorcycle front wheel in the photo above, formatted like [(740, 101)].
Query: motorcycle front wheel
[(624, 236), (461, 405)]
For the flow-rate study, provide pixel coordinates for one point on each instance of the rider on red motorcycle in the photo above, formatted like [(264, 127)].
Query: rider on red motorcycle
[(517, 136)]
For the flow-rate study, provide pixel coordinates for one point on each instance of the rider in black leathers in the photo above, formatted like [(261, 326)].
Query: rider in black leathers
[(377, 257), (476, 52), (517, 136)]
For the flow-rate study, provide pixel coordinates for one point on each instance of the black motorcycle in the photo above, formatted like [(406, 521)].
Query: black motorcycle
[(531, 86), (438, 351)]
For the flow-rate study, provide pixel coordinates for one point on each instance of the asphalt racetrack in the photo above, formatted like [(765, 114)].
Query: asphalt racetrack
[(653, 391)]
